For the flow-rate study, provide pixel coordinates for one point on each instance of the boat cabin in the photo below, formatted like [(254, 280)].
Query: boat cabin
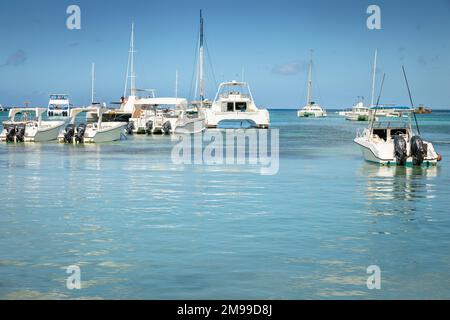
[(385, 132)]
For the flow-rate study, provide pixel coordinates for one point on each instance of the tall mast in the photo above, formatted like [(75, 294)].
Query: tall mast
[(92, 82), (176, 83), (374, 77), (308, 100), (201, 57), (132, 74)]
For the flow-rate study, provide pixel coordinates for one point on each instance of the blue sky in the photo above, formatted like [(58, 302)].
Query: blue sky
[(271, 40)]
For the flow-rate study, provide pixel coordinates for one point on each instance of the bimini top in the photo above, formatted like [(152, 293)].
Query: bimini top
[(227, 90)]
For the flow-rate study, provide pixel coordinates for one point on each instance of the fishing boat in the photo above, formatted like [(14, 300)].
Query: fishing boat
[(311, 109), (2, 108), (234, 103), (389, 141), (27, 125), (59, 106), (91, 132)]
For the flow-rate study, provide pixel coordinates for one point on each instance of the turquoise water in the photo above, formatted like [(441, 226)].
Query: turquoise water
[(142, 227)]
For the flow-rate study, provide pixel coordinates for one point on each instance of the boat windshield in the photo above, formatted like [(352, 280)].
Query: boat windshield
[(58, 106), (59, 97)]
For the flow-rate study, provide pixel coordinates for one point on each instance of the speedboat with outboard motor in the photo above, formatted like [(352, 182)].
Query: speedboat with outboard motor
[(393, 141), (91, 132), (27, 125)]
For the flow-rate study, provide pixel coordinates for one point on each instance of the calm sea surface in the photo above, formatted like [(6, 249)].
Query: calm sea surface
[(142, 227)]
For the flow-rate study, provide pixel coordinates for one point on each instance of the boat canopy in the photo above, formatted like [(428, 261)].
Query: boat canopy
[(37, 111)]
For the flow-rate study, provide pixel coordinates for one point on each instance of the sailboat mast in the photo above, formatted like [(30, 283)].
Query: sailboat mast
[(201, 53), (374, 77), (92, 82), (176, 84), (132, 74), (308, 99)]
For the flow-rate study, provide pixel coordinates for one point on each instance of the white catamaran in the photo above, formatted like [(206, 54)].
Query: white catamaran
[(234, 103)]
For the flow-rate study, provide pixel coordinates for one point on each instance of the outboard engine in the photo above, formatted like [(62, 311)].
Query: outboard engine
[(167, 126), (149, 127), (10, 133), (400, 151), (20, 133), (130, 127), (69, 133), (418, 150), (81, 129)]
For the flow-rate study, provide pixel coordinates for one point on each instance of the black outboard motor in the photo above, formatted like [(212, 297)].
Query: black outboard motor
[(130, 127), (20, 133), (167, 126), (69, 133), (80, 133), (149, 127), (400, 151), (10, 133), (418, 150)]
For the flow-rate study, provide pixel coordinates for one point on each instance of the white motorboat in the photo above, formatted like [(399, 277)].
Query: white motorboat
[(165, 116), (234, 103), (59, 106), (2, 108), (27, 125), (311, 109), (395, 143), (388, 141), (92, 132)]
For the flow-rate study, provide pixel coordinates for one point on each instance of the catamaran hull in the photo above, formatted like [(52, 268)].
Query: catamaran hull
[(260, 118), (311, 114)]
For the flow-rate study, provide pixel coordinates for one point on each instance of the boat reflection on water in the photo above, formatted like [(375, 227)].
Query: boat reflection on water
[(399, 190)]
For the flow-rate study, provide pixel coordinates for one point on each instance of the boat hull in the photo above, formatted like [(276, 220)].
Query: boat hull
[(386, 156), (111, 133), (259, 119), (44, 135)]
